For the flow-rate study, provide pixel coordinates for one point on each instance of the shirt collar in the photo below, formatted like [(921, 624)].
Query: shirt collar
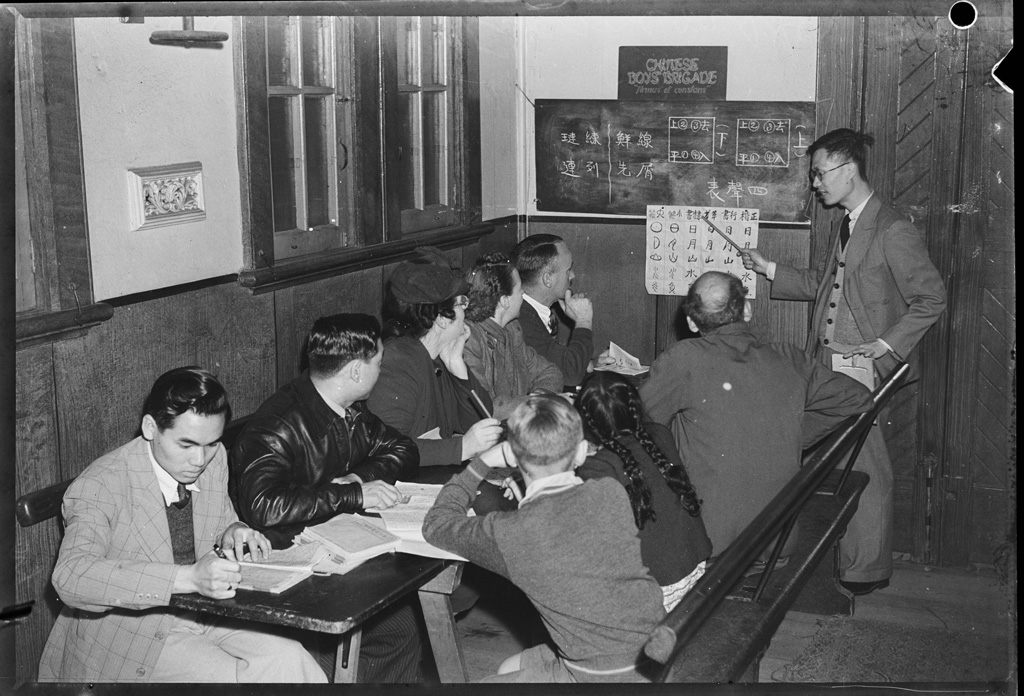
[(855, 213), (168, 486), (321, 416), (555, 483), (543, 312), (338, 410)]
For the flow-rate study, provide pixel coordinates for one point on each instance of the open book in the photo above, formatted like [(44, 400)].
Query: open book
[(405, 520), (284, 568), (351, 539)]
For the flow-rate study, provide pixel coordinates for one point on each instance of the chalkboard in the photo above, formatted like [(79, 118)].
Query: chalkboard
[(617, 157)]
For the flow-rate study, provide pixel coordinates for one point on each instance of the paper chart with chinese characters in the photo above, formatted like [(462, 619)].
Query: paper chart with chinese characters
[(682, 243)]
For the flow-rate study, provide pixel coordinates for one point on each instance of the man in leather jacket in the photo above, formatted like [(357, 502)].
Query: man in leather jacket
[(314, 450)]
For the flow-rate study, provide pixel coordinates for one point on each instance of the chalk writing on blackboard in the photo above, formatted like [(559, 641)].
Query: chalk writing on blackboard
[(682, 245), (616, 157)]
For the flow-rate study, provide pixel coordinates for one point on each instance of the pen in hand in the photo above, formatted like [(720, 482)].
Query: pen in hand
[(222, 553)]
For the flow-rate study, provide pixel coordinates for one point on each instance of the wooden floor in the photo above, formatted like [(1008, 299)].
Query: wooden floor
[(500, 623)]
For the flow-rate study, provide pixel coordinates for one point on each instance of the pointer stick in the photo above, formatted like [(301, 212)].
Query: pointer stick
[(724, 235)]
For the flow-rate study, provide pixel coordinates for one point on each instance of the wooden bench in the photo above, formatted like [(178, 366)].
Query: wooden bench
[(720, 630)]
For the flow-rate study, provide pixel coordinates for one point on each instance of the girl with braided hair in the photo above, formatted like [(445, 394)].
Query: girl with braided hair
[(643, 457)]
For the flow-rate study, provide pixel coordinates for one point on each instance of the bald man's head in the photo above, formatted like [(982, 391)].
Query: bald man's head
[(715, 299)]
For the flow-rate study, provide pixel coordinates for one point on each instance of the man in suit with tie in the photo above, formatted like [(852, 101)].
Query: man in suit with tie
[(142, 523), (875, 295), (544, 262)]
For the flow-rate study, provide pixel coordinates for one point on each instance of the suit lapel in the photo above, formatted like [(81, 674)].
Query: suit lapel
[(148, 504), (206, 516), (863, 233)]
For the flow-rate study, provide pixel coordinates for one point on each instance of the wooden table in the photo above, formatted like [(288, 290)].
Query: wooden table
[(339, 604)]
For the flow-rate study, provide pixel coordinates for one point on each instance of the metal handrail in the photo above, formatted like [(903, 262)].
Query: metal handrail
[(669, 637)]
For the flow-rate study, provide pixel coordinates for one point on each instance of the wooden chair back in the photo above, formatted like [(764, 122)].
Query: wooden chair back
[(38, 506)]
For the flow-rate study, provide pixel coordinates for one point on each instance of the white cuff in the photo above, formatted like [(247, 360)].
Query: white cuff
[(770, 273)]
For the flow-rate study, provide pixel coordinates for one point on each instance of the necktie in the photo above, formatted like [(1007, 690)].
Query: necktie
[(553, 324), (184, 495), (844, 233)]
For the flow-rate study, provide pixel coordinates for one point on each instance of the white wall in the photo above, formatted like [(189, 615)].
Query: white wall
[(770, 59), (143, 105)]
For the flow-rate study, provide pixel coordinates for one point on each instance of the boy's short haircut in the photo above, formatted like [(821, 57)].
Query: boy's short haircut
[(543, 430)]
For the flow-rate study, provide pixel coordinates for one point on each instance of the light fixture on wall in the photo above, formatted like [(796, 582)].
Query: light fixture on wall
[(188, 37)]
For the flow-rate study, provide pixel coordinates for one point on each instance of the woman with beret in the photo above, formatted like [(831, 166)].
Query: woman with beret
[(495, 351), (425, 388)]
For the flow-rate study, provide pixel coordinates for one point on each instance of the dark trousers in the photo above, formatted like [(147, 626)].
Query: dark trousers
[(392, 646)]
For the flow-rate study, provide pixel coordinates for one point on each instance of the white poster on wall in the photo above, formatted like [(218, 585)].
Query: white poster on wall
[(686, 241)]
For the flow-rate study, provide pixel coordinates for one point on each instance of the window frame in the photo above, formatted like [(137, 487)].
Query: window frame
[(52, 141), (377, 236)]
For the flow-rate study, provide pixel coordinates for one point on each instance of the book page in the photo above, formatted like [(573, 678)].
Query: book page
[(298, 556), (348, 536)]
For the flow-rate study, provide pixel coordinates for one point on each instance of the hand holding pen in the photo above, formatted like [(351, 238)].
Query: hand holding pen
[(238, 538)]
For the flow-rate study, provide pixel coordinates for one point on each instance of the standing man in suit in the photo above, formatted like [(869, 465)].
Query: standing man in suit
[(875, 295), (141, 525), (544, 262)]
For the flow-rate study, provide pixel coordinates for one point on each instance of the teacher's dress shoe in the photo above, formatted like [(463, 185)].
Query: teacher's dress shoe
[(863, 588)]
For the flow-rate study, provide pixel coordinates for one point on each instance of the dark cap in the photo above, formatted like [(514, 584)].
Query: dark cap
[(429, 279)]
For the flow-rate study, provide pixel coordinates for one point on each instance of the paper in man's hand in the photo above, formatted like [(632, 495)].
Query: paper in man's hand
[(625, 364)]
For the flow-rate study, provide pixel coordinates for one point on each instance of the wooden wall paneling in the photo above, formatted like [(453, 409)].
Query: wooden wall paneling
[(504, 237), (881, 83), (608, 259), (981, 207), (927, 133), (670, 322), (37, 466), (65, 155), (840, 65), (296, 308), (898, 102), (371, 224), (993, 460), (32, 81), (839, 103), (249, 53), (781, 320), (103, 378)]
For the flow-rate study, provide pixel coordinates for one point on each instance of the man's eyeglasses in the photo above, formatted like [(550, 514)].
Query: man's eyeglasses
[(818, 175)]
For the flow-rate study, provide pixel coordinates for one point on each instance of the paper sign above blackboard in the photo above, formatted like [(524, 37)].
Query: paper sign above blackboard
[(673, 73), (618, 157)]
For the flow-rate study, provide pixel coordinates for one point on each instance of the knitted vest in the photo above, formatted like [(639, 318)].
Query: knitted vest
[(182, 534)]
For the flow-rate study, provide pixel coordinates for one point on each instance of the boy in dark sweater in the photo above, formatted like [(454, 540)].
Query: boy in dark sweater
[(571, 547)]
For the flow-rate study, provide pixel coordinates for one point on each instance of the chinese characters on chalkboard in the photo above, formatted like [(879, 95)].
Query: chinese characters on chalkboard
[(616, 157), (683, 243)]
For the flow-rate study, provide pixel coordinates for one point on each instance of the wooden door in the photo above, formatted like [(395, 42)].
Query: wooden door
[(943, 156)]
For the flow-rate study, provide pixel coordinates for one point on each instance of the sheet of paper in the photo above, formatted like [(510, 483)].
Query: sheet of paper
[(859, 367), (625, 364), (432, 434), (682, 245)]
